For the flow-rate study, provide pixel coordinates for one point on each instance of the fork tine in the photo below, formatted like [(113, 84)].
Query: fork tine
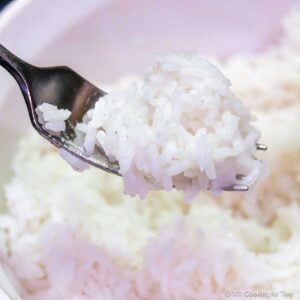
[(261, 147), (237, 188)]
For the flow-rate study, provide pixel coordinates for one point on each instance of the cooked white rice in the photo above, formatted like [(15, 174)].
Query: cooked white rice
[(181, 126), (70, 235), (51, 118)]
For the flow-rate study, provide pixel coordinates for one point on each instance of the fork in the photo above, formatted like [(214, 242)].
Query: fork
[(64, 88)]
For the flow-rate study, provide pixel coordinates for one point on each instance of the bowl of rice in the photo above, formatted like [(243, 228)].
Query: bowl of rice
[(77, 235)]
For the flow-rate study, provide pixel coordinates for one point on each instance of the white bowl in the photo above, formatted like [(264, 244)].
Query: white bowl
[(107, 39)]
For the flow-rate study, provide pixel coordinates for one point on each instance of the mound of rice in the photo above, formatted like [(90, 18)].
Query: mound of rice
[(67, 237), (70, 235), (181, 126)]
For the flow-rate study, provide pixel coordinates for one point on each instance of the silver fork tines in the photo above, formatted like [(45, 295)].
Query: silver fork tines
[(236, 188)]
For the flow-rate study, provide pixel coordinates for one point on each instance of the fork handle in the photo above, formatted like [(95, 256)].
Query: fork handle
[(15, 66)]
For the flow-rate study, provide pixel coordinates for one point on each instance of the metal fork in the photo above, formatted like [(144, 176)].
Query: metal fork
[(64, 88)]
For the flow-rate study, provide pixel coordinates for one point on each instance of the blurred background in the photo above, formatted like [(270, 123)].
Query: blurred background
[(3, 3)]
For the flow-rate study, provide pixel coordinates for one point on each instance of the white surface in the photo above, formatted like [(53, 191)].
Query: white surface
[(105, 39), (7, 291)]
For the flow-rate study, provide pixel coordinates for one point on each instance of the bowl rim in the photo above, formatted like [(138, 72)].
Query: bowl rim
[(10, 11)]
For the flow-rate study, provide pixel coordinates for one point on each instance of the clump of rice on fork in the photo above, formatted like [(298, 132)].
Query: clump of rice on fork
[(180, 126)]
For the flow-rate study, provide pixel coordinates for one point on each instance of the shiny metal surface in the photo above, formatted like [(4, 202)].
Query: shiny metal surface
[(63, 87)]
